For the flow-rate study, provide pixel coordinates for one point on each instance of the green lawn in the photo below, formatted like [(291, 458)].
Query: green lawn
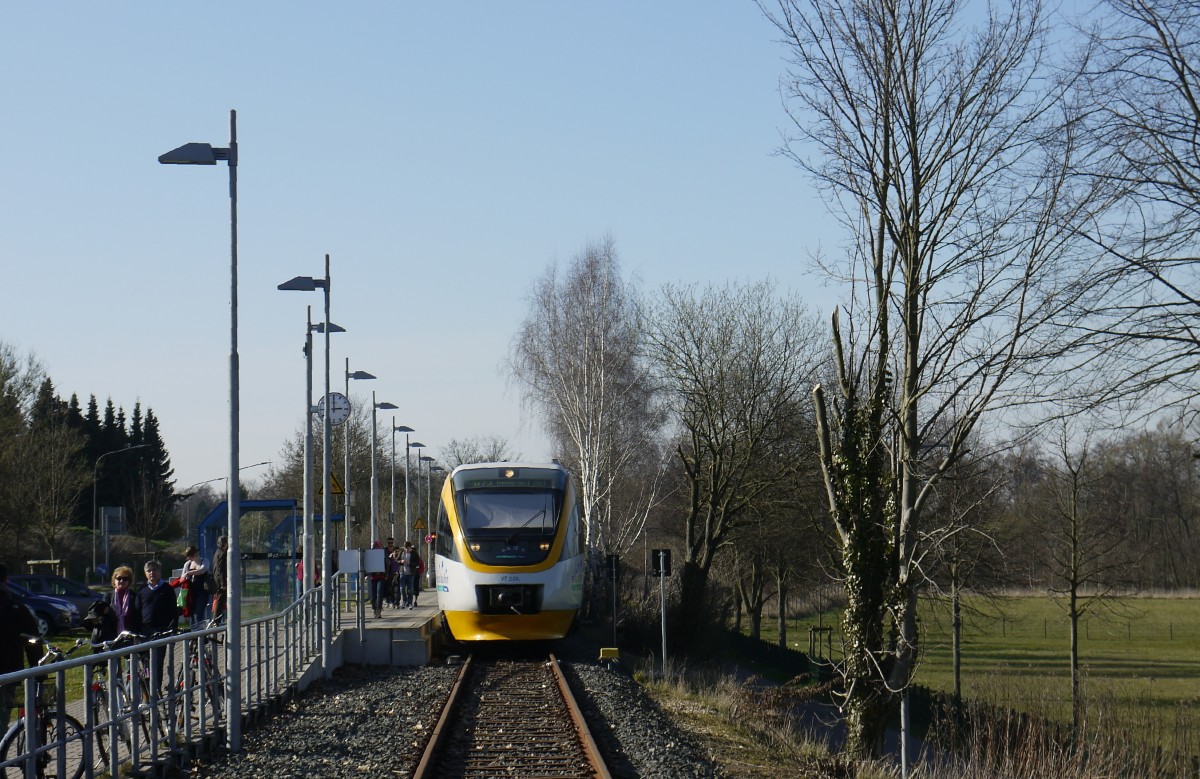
[(1140, 658)]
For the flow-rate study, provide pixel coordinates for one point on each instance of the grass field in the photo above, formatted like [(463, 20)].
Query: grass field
[(1140, 659)]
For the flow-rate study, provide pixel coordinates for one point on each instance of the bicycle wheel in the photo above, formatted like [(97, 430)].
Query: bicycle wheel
[(97, 699), (105, 725), (152, 717), (214, 689), (67, 756), (185, 688)]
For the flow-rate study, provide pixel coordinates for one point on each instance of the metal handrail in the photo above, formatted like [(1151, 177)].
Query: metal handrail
[(277, 651)]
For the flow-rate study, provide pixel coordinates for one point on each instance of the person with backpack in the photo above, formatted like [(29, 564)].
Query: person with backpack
[(410, 564), (196, 577), (378, 585)]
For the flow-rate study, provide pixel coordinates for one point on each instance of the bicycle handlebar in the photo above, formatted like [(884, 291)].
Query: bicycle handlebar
[(53, 653)]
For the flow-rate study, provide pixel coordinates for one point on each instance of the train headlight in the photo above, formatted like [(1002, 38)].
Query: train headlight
[(544, 546), (475, 546)]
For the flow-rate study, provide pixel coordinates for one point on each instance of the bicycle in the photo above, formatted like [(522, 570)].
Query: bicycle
[(113, 714), (202, 682), (59, 748), (153, 707)]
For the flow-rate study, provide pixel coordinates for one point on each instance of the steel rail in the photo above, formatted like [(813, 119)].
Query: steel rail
[(590, 747), (463, 694), (428, 757)]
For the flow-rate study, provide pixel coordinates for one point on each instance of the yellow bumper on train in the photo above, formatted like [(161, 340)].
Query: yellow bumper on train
[(473, 626)]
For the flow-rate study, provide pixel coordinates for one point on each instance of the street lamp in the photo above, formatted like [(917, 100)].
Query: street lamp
[(308, 284), (307, 553), (95, 477), (428, 492), (432, 528), (187, 532), (407, 476), (375, 408), (406, 430), (206, 154), (357, 376)]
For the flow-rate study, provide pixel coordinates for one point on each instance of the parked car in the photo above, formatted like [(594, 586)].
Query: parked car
[(58, 587), (53, 614)]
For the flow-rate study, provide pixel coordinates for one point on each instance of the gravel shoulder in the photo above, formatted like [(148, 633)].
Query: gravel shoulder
[(376, 720)]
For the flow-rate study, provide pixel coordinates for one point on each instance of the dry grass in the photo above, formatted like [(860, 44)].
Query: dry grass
[(747, 727), (996, 744), (748, 730)]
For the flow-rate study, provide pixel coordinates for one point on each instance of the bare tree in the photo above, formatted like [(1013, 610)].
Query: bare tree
[(576, 359), (733, 365), (939, 145), (1159, 477), (480, 449), (1086, 552), (48, 482), (1142, 92), (20, 378), (967, 548)]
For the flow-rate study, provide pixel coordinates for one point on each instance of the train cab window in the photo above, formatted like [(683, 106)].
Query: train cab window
[(509, 527)]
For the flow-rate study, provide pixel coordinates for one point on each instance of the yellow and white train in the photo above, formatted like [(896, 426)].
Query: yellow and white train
[(509, 555)]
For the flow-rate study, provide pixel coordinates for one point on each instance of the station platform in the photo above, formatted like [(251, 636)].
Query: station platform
[(397, 637)]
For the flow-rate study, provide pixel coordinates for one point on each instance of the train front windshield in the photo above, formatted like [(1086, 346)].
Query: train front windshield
[(509, 523)]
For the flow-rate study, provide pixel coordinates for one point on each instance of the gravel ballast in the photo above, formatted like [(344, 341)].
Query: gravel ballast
[(376, 720)]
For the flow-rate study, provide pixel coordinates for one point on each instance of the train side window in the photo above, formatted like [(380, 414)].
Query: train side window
[(444, 544), (573, 542)]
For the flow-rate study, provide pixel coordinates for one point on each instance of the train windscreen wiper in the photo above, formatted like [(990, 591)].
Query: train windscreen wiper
[(539, 513)]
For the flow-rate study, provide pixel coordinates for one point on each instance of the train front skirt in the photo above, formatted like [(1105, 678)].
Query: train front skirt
[(473, 626)]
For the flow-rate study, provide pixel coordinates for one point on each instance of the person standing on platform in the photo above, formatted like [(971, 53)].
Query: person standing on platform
[(378, 581), (220, 572), (156, 605), (16, 621), (195, 574), (410, 563), (116, 613)]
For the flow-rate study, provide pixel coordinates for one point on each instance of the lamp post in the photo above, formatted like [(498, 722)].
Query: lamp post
[(207, 154), (432, 529), (308, 284), (357, 376), (188, 493), (406, 430), (375, 409), (308, 542), (95, 478), (418, 446), (428, 491)]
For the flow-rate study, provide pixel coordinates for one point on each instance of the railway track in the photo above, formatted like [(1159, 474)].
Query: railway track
[(507, 718)]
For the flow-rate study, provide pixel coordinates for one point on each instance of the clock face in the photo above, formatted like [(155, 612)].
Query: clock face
[(339, 408)]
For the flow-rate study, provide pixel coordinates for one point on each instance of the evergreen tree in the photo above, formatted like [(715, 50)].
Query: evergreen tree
[(91, 421), (112, 473), (74, 415), (150, 489), (136, 436)]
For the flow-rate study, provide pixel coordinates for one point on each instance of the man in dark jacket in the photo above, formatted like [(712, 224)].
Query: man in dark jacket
[(15, 620), (220, 573), (159, 612)]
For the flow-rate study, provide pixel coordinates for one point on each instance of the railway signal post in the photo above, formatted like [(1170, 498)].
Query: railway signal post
[(661, 567)]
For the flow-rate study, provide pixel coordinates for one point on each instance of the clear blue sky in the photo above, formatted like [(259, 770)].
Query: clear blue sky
[(443, 154)]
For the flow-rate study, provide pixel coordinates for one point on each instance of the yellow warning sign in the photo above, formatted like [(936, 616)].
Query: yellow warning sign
[(419, 524), (335, 486)]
